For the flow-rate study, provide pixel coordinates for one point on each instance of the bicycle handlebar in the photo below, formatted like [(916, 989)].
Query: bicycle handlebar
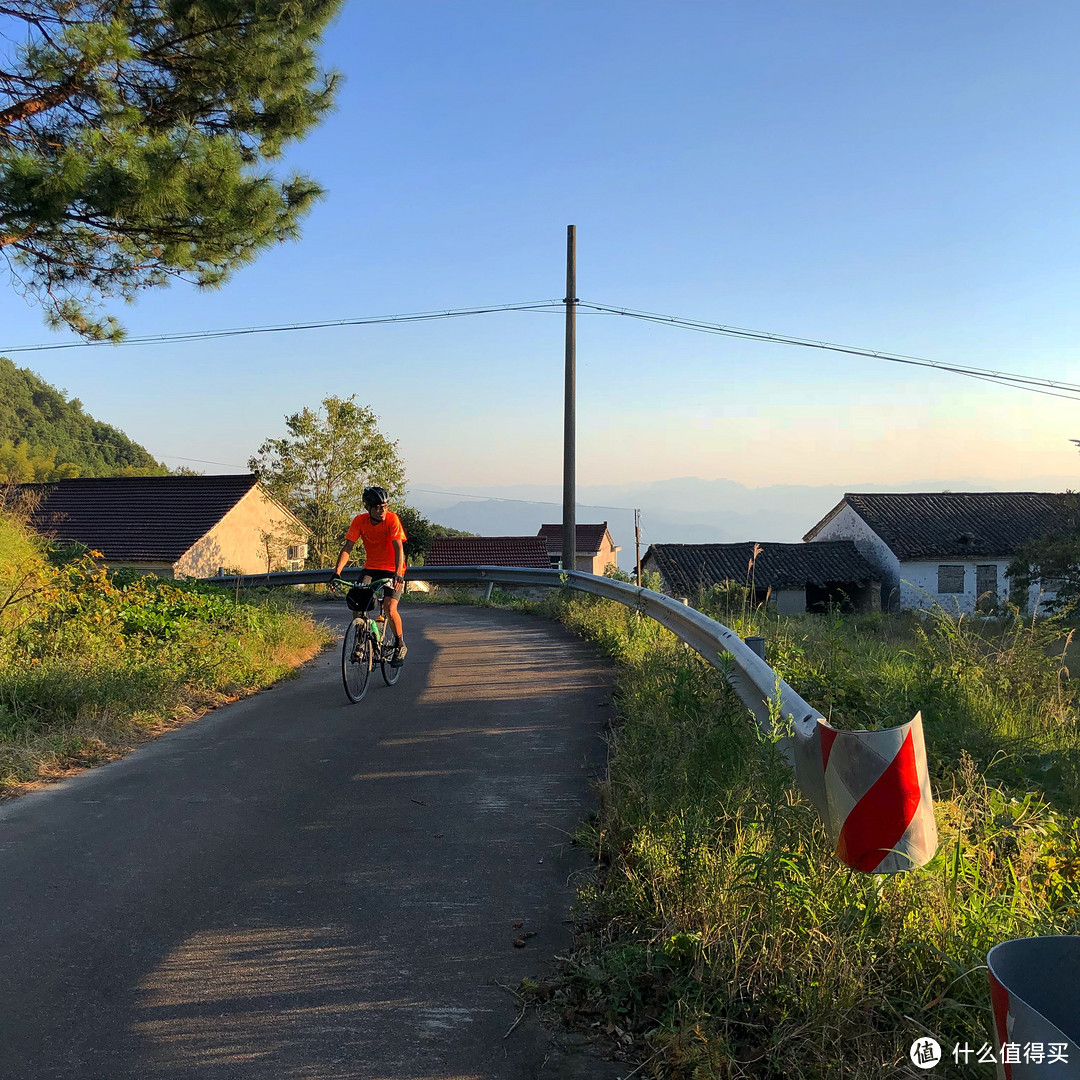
[(375, 584)]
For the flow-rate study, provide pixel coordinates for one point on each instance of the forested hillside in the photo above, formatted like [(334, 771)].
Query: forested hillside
[(46, 436)]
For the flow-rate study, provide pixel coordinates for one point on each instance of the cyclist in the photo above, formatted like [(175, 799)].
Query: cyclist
[(384, 538)]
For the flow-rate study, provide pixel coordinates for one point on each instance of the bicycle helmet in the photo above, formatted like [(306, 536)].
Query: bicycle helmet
[(373, 496)]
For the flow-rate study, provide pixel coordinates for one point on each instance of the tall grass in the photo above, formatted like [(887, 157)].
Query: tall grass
[(996, 689), (723, 938), (92, 663)]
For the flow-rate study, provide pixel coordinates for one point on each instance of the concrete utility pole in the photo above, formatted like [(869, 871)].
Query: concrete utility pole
[(569, 498), (637, 542)]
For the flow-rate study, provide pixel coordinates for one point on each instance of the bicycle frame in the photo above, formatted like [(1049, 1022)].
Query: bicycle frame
[(378, 589)]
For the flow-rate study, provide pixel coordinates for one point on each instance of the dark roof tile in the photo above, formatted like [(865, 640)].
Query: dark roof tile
[(151, 518), (953, 524), (527, 551), (588, 538)]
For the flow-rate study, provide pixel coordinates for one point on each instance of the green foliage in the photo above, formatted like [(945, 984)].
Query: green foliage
[(1054, 559), (89, 662), (23, 570), (133, 139), (421, 532), (45, 436), (722, 938), (320, 469)]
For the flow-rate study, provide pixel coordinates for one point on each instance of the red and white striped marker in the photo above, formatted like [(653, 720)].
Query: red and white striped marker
[(1035, 991), (872, 790)]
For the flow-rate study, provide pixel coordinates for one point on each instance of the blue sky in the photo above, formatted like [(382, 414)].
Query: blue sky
[(897, 176)]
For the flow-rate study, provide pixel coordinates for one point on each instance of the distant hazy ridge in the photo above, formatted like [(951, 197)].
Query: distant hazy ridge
[(686, 510)]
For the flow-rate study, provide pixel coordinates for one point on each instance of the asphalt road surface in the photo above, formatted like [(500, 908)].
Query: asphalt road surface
[(297, 887)]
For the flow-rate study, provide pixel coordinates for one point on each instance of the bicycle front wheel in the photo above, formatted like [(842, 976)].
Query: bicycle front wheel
[(386, 654), (356, 660)]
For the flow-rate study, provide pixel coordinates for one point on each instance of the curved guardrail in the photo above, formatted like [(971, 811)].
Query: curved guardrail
[(871, 788)]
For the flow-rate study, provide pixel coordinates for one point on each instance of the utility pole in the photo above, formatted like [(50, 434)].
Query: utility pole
[(637, 542), (569, 519)]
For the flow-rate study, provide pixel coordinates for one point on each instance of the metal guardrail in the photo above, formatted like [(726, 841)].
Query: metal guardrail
[(871, 788)]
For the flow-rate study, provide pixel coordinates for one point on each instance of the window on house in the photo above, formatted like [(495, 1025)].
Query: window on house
[(296, 552), (950, 579)]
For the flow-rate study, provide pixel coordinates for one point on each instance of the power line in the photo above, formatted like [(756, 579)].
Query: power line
[(1048, 387), (207, 335), (1053, 387), (203, 461)]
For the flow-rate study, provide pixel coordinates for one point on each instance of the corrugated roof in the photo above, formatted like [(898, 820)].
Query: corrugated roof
[(688, 567), (956, 524), (152, 518), (528, 551), (588, 538)]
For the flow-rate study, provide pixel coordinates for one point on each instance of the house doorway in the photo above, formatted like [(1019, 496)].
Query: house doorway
[(986, 588)]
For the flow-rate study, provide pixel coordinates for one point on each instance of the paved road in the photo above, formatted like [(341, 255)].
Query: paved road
[(294, 887)]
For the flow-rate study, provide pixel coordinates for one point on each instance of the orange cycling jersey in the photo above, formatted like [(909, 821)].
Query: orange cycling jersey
[(378, 540)]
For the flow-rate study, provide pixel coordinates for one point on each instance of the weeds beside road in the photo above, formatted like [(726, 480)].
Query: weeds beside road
[(722, 938), (92, 663)]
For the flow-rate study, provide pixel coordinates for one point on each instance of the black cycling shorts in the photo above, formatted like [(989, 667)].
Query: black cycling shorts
[(389, 592)]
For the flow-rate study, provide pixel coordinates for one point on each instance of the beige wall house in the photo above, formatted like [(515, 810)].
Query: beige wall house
[(175, 526), (595, 550)]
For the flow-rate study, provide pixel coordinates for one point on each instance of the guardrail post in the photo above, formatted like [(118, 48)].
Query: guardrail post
[(756, 645), (487, 592)]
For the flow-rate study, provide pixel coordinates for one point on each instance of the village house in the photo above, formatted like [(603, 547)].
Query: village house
[(945, 548), (174, 526), (794, 577), (594, 550)]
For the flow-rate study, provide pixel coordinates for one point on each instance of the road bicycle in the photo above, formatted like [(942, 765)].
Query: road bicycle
[(369, 640)]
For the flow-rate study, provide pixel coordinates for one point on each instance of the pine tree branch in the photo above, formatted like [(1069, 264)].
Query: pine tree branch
[(23, 110)]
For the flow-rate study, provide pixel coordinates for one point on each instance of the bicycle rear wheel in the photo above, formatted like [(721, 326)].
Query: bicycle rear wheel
[(386, 654), (356, 660)]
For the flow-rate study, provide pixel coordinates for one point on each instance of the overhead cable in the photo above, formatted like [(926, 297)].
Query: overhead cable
[(206, 335), (529, 502), (1049, 387)]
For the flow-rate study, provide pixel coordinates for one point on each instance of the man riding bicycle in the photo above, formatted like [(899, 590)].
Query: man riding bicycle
[(384, 538)]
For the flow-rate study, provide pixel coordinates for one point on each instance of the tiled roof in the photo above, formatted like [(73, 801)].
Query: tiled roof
[(687, 567), (959, 523), (588, 538), (152, 518), (529, 551)]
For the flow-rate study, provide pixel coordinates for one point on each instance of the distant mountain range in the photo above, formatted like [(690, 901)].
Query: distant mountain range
[(687, 510)]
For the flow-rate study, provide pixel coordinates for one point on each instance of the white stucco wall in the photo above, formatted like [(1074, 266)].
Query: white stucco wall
[(847, 525), (919, 582)]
